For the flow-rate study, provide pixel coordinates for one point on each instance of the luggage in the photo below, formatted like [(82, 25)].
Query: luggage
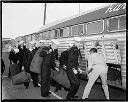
[(20, 78), (36, 62), (61, 77), (14, 69)]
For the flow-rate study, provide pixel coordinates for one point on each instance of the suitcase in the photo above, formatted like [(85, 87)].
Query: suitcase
[(14, 69), (20, 78), (61, 77)]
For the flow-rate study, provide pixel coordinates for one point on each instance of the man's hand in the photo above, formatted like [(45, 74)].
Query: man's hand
[(75, 71), (57, 69), (79, 70), (22, 67), (64, 67)]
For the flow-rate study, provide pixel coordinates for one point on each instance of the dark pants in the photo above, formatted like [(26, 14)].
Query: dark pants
[(9, 73), (34, 78), (74, 81), (45, 80)]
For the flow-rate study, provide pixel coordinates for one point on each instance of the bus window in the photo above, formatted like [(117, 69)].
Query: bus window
[(81, 31), (47, 35), (122, 22), (52, 34), (75, 30), (113, 24), (95, 27), (56, 33), (64, 32), (61, 32)]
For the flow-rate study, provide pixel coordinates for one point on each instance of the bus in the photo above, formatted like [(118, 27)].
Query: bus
[(103, 28)]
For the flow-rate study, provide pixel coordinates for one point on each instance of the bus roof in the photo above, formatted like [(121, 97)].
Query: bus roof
[(100, 13)]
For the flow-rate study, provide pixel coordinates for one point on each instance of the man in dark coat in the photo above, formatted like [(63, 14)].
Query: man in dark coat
[(2, 66), (47, 63), (27, 58), (73, 55), (20, 56), (13, 59)]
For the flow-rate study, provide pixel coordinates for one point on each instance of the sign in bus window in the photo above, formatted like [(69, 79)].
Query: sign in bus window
[(122, 22), (95, 27), (113, 24)]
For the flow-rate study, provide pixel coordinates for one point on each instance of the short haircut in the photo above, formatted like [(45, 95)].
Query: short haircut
[(93, 50)]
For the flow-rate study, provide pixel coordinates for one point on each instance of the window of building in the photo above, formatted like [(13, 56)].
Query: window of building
[(95, 27), (122, 22)]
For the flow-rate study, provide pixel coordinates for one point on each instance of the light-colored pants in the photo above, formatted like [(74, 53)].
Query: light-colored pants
[(92, 78)]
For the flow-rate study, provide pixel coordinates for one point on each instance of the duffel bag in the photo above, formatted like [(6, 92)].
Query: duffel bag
[(61, 77), (14, 69), (20, 78), (36, 62)]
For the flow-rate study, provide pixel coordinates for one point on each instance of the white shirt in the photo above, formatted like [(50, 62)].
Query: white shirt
[(97, 62)]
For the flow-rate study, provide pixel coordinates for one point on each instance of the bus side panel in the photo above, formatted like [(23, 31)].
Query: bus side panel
[(123, 62)]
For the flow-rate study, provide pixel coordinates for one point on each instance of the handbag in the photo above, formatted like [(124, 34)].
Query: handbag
[(20, 78), (61, 77)]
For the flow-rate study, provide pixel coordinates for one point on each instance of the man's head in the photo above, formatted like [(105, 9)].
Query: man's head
[(21, 43), (54, 44), (93, 50), (37, 44)]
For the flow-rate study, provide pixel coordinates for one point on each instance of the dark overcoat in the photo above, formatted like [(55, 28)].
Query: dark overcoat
[(27, 58), (47, 63)]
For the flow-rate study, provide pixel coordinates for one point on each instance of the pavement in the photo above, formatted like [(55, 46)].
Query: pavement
[(10, 91)]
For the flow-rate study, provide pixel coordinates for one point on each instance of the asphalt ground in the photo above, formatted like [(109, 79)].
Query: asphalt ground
[(10, 91)]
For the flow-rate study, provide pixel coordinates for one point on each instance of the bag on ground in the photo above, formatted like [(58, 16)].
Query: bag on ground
[(20, 78), (61, 77), (14, 69)]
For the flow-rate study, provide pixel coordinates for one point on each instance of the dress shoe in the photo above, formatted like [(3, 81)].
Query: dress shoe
[(66, 89), (84, 99), (37, 86), (76, 97), (47, 96), (56, 90), (69, 98), (49, 93)]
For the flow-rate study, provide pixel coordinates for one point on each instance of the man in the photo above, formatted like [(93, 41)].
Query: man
[(20, 54), (47, 63), (13, 59), (2, 66), (96, 67), (71, 69)]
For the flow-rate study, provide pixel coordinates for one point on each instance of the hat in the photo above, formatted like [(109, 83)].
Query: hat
[(21, 42), (77, 38), (37, 44), (55, 41), (32, 42)]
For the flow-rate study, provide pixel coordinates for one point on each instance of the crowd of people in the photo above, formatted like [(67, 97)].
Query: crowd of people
[(41, 60)]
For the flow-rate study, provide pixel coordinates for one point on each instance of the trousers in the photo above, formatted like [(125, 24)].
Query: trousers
[(74, 81), (92, 78)]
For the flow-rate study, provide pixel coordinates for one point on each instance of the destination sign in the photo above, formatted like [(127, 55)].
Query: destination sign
[(118, 7)]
